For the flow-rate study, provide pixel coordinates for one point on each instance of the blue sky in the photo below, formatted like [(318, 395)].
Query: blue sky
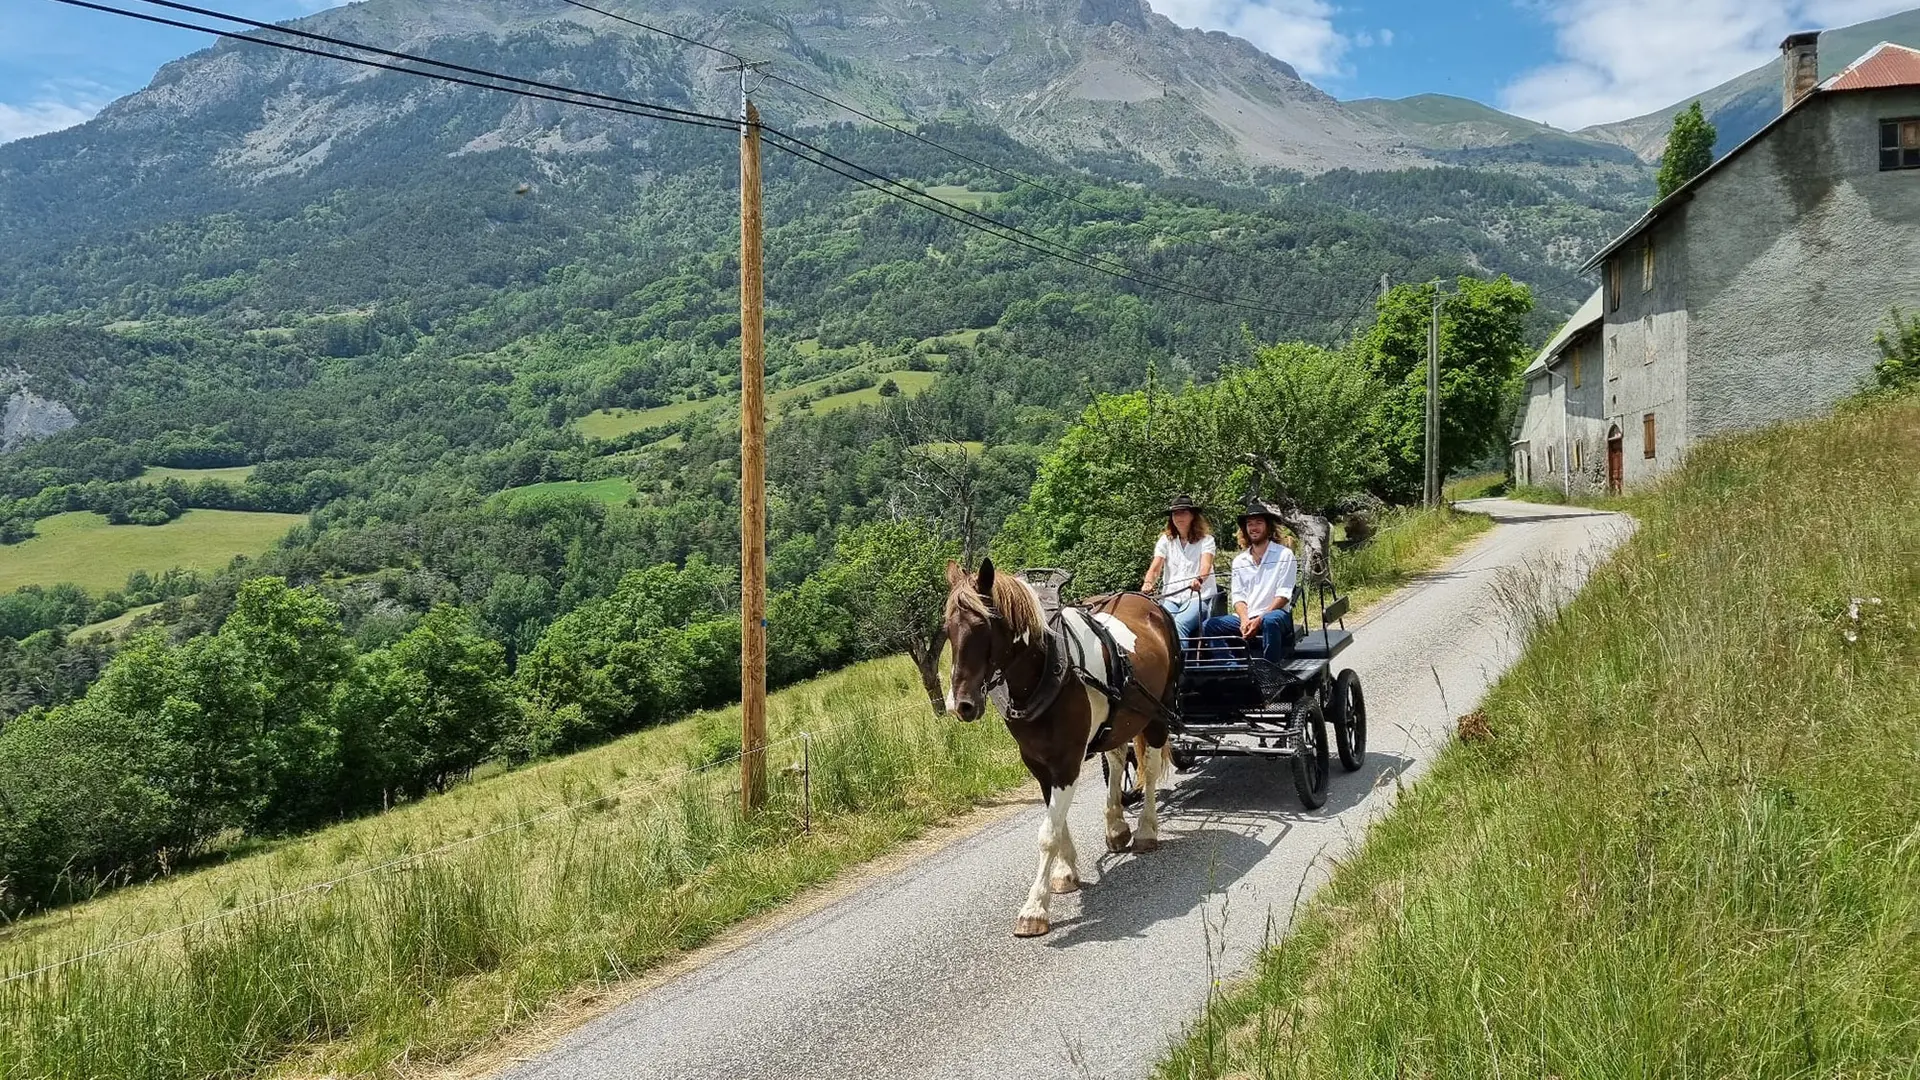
[(1567, 62)]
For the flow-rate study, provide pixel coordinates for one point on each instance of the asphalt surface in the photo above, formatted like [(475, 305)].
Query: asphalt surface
[(919, 975)]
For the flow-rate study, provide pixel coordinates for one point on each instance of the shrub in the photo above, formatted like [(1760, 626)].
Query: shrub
[(1899, 343)]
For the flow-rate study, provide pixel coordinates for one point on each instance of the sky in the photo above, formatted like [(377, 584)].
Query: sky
[(1570, 63)]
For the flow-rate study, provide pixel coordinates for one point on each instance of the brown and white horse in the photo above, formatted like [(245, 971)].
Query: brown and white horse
[(999, 633)]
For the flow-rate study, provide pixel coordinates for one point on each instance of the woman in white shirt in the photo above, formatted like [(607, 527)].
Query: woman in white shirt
[(1184, 556)]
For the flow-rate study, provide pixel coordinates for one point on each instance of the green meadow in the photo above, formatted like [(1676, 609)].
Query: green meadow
[(81, 548), (612, 490), (233, 474)]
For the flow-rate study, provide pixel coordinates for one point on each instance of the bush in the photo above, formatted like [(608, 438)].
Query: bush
[(1899, 343)]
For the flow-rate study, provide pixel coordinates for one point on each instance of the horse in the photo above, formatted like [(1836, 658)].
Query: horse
[(1060, 716)]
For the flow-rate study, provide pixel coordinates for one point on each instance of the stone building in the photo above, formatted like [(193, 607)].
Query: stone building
[(1750, 295), (1560, 435)]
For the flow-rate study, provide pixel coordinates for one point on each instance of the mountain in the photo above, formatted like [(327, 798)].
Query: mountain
[(1742, 106)]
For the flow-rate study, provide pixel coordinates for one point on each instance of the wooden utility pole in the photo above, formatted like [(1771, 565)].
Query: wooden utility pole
[(753, 468), (1433, 404)]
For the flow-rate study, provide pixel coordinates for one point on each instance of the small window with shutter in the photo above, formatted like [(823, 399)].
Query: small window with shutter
[(1613, 282), (1646, 435), (1646, 267), (1899, 144), (1577, 357)]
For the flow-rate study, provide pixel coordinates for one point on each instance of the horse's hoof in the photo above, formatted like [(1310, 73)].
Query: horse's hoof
[(1143, 844), (1117, 842), (1030, 926), (1067, 884)]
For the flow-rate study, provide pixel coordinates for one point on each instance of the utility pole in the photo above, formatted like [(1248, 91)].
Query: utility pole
[(1433, 403), (753, 465)]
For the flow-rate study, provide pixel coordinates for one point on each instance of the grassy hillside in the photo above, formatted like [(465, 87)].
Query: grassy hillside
[(423, 961), (1683, 841), (82, 548)]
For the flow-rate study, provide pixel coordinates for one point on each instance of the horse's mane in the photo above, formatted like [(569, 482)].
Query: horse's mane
[(1015, 600)]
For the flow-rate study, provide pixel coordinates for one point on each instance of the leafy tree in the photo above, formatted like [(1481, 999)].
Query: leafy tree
[(429, 708), (891, 575), (291, 651), (1689, 150), (1899, 344), (1483, 335), (1097, 501)]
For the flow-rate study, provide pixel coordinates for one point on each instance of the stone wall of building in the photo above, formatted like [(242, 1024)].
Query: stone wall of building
[(1647, 348), (1799, 248)]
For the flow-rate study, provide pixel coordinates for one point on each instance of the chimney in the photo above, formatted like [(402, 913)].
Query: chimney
[(1801, 55)]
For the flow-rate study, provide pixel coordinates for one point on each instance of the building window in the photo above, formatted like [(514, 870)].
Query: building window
[(1646, 435), (1578, 465), (1646, 267), (1577, 350), (1899, 144), (1613, 282), (1646, 336), (1552, 467), (1613, 348)]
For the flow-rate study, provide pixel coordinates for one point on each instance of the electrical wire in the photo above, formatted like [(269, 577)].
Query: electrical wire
[(1084, 258), (909, 133), (878, 181), (603, 102)]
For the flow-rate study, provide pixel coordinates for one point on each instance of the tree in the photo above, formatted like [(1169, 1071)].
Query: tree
[(1483, 335), (891, 577), (1689, 150), (430, 707)]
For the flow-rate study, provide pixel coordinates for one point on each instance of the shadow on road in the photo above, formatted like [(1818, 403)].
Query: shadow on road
[(1217, 825)]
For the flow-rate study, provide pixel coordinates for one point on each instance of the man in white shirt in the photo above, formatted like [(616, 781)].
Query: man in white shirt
[(1262, 596)]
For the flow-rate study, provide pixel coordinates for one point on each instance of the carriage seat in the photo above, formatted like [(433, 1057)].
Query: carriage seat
[(1321, 644)]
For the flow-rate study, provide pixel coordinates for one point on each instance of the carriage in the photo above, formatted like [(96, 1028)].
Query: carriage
[(1231, 704)]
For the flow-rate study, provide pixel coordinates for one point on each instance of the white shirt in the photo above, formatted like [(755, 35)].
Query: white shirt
[(1183, 565), (1259, 585)]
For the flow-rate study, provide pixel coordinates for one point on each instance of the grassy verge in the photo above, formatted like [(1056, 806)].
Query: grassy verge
[(1407, 542), (82, 548), (1684, 841), (423, 962), (1479, 486)]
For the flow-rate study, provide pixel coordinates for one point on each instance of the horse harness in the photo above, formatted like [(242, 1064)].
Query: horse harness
[(1072, 635)]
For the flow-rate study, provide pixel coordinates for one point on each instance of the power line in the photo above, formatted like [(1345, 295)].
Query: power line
[(609, 103), (1010, 174), (696, 42), (907, 198), (666, 111), (1085, 258)]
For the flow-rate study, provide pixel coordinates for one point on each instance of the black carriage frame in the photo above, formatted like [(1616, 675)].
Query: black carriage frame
[(1232, 703)]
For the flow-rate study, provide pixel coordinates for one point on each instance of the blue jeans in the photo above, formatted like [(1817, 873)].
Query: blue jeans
[(1188, 612), (1276, 634)]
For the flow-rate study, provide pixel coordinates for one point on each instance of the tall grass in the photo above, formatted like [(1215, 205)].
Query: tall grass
[(1688, 842), (425, 961), (1407, 542)]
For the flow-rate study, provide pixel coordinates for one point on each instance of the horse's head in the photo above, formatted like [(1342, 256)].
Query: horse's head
[(990, 618)]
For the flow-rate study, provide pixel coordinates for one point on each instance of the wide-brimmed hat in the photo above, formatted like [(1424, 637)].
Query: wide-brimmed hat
[(1183, 501), (1259, 508)]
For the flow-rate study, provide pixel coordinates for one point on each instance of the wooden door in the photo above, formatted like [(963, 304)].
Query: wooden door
[(1616, 462)]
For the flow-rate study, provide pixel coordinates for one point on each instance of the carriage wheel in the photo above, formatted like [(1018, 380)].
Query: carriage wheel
[(1130, 792), (1347, 713), (1310, 752)]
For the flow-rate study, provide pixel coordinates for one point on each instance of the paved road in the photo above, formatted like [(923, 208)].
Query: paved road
[(919, 975)]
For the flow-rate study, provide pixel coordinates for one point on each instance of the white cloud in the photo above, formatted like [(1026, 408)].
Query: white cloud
[(1622, 58), (1298, 31), (40, 117)]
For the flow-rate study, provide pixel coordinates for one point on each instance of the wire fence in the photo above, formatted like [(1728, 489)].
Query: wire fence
[(656, 785)]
